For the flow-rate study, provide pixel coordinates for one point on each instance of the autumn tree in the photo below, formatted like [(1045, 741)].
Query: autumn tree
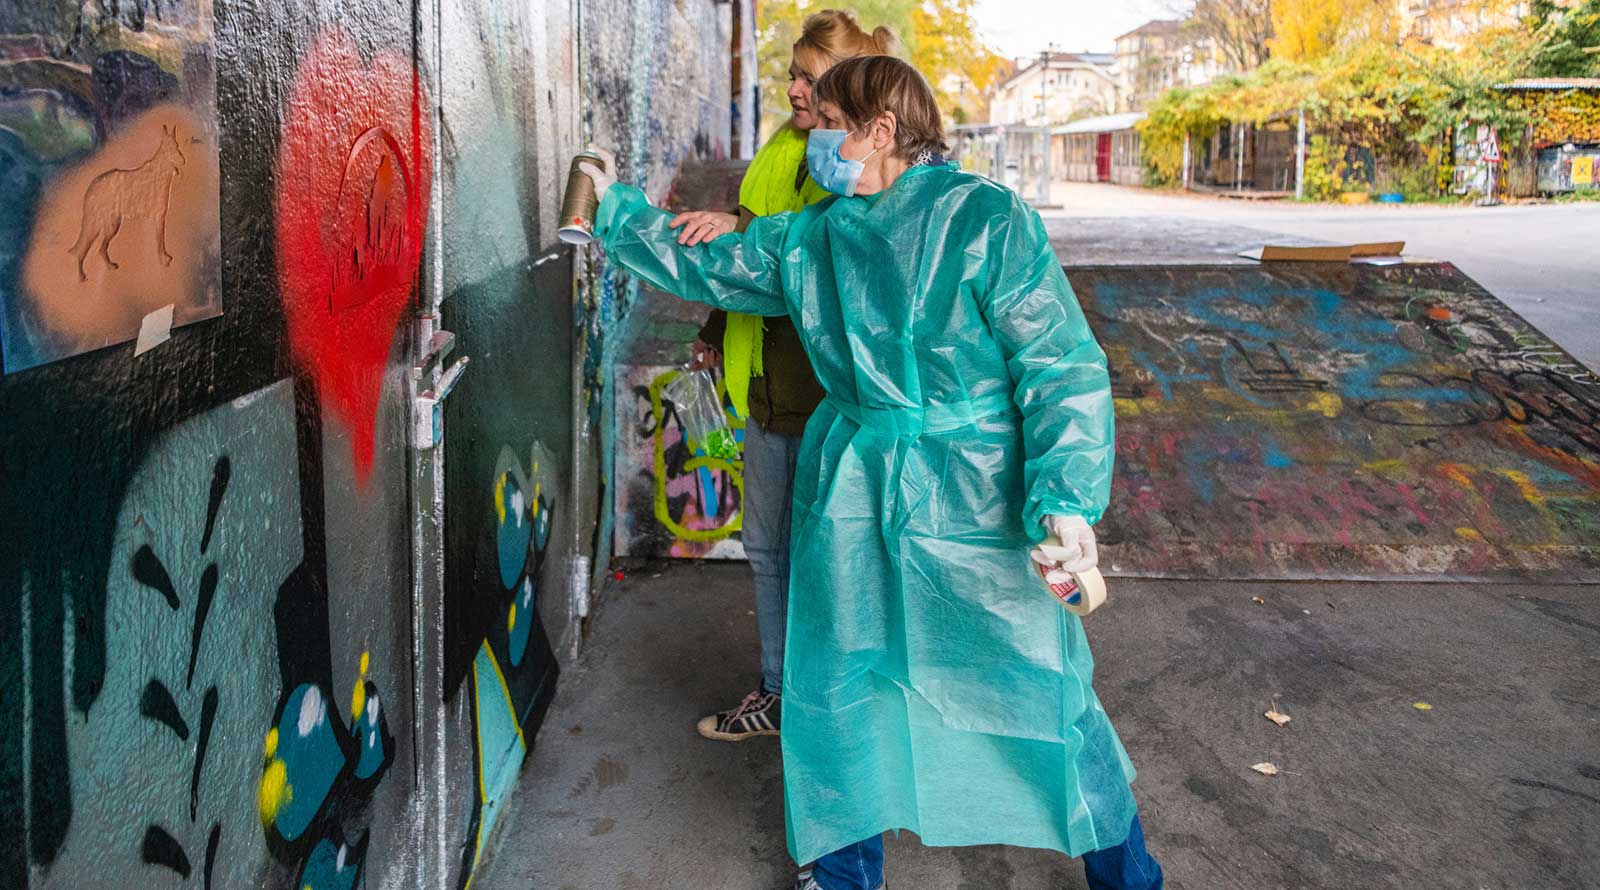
[(939, 37), (1242, 29), (1572, 46), (943, 44), (1306, 30)]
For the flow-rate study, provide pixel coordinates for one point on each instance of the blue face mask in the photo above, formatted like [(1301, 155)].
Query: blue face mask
[(832, 171)]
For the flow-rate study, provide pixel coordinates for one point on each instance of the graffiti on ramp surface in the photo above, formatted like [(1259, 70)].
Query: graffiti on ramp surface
[(1341, 421)]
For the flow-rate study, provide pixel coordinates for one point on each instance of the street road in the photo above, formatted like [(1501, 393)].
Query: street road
[(1541, 260)]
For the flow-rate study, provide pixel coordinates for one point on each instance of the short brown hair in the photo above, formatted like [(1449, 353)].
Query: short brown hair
[(865, 87), (832, 35)]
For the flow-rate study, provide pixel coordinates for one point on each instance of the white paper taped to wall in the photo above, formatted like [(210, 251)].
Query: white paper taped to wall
[(155, 330)]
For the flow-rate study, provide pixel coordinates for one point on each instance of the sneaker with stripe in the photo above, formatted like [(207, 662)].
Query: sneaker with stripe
[(757, 715), (806, 882)]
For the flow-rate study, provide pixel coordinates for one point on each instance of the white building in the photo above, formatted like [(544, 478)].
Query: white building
[(1055, 88), (1451, 23), (1160, 55)]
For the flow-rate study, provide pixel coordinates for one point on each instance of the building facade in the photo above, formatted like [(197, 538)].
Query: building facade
[(1160, 55), (1452, 23), (1099, 149), (1055, 88)]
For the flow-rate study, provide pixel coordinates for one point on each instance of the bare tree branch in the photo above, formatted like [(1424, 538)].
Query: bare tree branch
[(1240, 28)]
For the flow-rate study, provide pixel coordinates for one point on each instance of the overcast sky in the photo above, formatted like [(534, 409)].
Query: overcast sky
[(1024, 27)]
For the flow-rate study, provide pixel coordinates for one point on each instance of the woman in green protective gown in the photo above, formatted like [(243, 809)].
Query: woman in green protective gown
[(931, 683), (769, 379)]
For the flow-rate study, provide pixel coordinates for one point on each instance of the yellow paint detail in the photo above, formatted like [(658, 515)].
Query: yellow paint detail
[(1423, 706), (506, 692), (1470, 534), (272, 742), (511, 618), (1385, 466), (500, 498), (1327, 403), (1458, 474), (1530, 492), (483, 790), (275, 790), (358, 695), (1126, 407)]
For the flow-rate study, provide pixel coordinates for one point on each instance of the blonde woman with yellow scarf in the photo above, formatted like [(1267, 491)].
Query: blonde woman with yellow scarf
[(769, 378)]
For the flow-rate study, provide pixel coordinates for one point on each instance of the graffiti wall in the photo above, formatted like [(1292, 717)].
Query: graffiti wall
[(649, 84), (508, 292), (108, 156), (672, 500), (1305, 421), (219, 225)]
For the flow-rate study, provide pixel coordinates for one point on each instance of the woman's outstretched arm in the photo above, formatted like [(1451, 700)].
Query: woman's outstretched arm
[(740, 273), (1062, 386)]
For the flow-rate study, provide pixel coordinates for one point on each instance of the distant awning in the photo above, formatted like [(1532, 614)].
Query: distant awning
[(1107, 123), (1551, 83)]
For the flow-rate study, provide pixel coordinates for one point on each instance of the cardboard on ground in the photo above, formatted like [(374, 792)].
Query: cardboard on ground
[(1377, 253)]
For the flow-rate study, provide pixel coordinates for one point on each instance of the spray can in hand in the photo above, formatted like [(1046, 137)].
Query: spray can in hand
[(579, 205)]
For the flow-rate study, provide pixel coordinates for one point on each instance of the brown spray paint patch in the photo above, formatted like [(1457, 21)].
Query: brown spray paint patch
[(131, 229)]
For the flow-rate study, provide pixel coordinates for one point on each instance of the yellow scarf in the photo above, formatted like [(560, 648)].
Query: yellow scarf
[(772, 184)]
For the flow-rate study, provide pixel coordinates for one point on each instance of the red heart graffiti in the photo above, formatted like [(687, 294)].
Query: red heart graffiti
[(354, 169)]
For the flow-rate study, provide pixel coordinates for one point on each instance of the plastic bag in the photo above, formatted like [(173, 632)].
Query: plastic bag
[(705, 423)]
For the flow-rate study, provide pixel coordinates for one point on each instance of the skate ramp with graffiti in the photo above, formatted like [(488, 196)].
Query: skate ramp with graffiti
[(1341, 421)]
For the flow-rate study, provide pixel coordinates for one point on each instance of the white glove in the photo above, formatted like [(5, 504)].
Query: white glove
[(1076, 551), (602, 179)]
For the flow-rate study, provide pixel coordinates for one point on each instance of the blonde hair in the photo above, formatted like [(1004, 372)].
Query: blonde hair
[(833, 35), (863, 88)]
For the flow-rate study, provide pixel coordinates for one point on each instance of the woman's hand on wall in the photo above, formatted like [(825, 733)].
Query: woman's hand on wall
[(602, 179), (700, 226)]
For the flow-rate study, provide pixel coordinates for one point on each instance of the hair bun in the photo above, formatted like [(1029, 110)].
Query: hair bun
[(884, 38)]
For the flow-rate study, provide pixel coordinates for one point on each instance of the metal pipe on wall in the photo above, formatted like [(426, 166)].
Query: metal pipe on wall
[(427, 501), (1238, 155), (1300, 157), (1188, 176), (736, 75)]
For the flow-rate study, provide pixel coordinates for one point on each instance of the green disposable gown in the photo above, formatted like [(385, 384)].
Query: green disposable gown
[(931, 682)]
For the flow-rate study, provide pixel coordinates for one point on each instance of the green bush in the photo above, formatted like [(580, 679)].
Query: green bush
[(1324, 170)]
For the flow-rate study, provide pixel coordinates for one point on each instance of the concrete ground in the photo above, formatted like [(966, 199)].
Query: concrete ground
[(1496, 786), (1541, 260)]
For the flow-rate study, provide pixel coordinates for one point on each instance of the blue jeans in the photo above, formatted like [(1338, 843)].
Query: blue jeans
[(769, 462), (1127, 866)]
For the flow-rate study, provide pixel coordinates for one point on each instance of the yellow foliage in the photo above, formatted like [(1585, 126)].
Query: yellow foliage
[(939, 37), (1307, 30), (1571, 116), (945, 47)]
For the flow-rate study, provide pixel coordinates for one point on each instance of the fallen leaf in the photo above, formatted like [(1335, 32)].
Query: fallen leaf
[(1276, 717), (1258, 601), (1423, 706), (1265, 768)]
